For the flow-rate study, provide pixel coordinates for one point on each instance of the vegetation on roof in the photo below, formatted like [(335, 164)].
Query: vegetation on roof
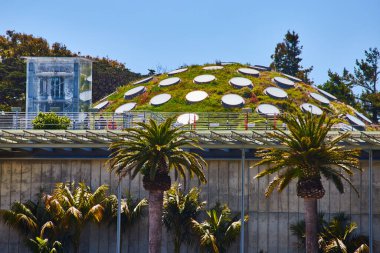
[(216, 89)]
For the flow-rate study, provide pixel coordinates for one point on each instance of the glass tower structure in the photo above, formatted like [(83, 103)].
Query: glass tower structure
[(59, 84)]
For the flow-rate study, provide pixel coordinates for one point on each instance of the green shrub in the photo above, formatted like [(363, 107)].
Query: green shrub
[(247, 92), (50, 121)]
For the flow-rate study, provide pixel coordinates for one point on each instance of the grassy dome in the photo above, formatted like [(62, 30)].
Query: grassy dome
[(216, 89)]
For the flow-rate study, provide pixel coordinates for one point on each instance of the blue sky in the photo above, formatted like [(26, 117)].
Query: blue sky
[(168, 33)]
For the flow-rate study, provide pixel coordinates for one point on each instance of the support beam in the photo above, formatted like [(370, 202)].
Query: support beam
[(118, 224), (370, 198), (242, 202)]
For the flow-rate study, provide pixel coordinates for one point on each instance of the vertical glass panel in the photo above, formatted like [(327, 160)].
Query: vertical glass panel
[(85, 86), (61, 84)]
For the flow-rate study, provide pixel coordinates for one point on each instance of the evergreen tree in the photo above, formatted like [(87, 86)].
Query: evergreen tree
[(286, 57), (341, 87), (367, 73)]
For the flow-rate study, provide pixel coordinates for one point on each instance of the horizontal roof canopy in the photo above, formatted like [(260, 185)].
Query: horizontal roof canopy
[(208, 139)]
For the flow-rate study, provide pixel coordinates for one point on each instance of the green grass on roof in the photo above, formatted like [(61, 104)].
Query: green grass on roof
[(216, 89)]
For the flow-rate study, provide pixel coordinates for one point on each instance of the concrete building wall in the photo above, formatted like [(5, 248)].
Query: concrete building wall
[(266, 231)]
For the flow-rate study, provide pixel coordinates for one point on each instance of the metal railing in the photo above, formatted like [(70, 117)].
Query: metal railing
[(193, 121)]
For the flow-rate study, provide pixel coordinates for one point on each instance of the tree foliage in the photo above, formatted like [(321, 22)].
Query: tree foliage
[(180, 209), (108, 74), (131, 210), (367, 73), (154, 149), (56, 220), (287, 57), (341, 87), (219, 230), (338, 235), (308, 155), (73, 206), (31, 220), (26, 218), (40, 245), (50, 120)]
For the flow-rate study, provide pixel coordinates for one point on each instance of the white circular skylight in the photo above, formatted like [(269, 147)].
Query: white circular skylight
[(125, 107), (249, 71), (355, 121), (241, 82), (275, 92), (196, 96), (293, 78), (187, 118), (101, 105), (145, 80), (313, 109), (328, 95), (283, 82), (134, 92), (267, 109), (204, 79), (177, 71), (320, 98), (232, 100), (261, 68), (169, 81), (360, 115), (160, 99), (213, 67), (85, 95)]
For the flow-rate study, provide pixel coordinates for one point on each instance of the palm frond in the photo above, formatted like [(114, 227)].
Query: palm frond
[(362, 249), (307, 153), (156, 148)]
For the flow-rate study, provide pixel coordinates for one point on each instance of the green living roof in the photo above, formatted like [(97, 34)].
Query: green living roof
[(216, 89)]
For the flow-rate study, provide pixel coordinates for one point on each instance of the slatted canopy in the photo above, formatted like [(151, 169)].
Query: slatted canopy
[(232, 139)]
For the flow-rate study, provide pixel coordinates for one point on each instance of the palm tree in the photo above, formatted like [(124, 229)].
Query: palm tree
[(40, 245), (29, 218), (336, 236), (73, 207), (179, 211), (153, 150), (298, 230), (308, 155), (219, 230), (131, 210), (339, 237)]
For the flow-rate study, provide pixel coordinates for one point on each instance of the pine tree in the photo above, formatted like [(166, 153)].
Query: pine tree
[(341, 87), (367, 73), (286, 57)]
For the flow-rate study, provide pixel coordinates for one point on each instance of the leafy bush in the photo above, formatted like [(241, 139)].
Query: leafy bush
[(50, 121), (219, 229), (55, 222), (247, 92), (335, 236), (40, 245), (180, 208)]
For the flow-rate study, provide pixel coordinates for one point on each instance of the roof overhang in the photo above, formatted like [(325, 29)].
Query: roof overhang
[(222, 139)]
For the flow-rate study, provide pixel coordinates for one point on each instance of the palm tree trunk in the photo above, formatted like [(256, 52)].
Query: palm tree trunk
[(155, 220), (177, 245), (311, 219)]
